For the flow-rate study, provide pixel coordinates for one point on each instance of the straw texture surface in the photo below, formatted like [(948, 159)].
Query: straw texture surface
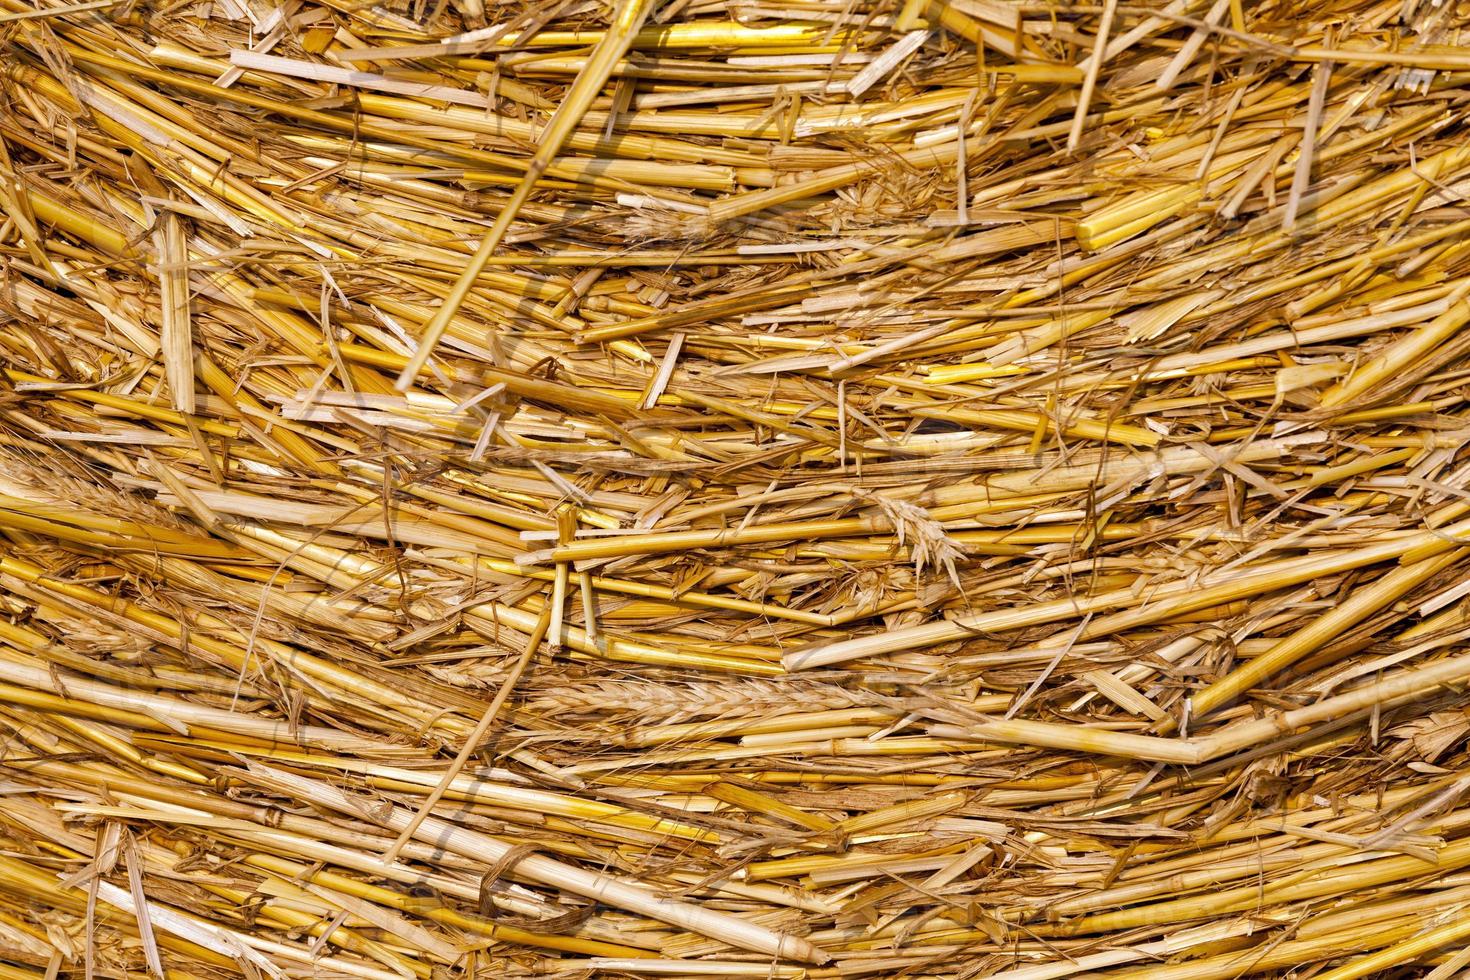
[(734, 488)]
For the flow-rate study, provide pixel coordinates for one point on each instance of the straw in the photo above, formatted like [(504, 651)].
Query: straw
[(809, 490)]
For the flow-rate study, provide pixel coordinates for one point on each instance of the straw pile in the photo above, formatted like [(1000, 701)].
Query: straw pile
[(780, 488)]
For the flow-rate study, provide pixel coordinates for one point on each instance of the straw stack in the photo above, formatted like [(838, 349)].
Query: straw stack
[(778, 488)]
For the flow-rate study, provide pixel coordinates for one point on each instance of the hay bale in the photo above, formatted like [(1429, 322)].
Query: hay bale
[(958, 489)]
